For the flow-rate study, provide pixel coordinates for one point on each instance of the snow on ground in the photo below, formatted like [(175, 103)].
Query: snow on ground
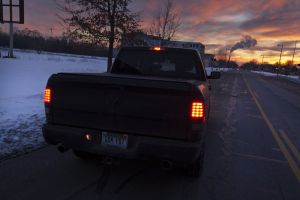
[(293, 78), (22, 81)]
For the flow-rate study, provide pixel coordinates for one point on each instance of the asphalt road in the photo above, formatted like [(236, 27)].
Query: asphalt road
[(252, 152)]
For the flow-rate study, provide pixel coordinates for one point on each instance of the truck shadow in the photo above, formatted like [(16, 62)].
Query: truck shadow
[(142, 180), (132, 179)]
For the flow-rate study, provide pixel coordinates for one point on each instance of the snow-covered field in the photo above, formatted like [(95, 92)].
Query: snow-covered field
[(22, 81), (291, 77)]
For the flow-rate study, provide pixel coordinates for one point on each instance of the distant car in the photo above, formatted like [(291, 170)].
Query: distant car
[(154, 104)]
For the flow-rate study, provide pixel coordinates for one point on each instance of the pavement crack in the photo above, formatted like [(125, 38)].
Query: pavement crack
[(101, 183), (281, 192), (129, 179), (103, 180), (73, 195)]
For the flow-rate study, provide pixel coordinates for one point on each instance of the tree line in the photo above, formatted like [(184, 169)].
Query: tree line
[(32, 39)]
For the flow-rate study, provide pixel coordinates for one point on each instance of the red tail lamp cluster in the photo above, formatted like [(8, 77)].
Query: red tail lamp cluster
[(47, 96), (197, 110)]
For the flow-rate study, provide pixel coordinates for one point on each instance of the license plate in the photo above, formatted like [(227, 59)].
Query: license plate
[(114, 140)]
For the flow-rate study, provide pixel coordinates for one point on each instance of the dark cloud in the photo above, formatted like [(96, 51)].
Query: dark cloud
[(274, 22)]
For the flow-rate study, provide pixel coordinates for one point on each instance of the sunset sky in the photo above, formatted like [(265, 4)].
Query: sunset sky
[(218, 24)]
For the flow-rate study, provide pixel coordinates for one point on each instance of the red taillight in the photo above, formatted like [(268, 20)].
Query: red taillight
[(156, 48), (47, 96), (197, 110)]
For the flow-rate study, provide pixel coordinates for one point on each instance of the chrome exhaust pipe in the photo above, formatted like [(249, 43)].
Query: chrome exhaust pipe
[(62, 148), (167, 164)]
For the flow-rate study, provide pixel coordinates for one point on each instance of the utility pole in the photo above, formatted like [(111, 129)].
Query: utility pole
[(226, 54), (11, 31), (280, 54), (11, 21), (1, 17), (229, 59), (262, 62), (51, 31), (294, 52), (1, 12)]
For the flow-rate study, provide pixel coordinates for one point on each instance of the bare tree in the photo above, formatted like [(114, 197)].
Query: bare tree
[(166, 22), (101, 22)]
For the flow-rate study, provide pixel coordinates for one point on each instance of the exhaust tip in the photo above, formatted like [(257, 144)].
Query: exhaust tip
[(61, 148)]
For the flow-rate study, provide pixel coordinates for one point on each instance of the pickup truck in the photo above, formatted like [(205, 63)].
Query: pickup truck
[(153, 104)]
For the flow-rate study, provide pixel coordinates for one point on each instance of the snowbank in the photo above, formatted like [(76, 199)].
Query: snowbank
[(22, 81), (291, 77)]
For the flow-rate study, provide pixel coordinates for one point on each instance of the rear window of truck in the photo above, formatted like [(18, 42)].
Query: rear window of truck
[(164, 63)]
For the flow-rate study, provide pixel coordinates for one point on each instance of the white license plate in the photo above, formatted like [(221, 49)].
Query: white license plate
[(114, 140)]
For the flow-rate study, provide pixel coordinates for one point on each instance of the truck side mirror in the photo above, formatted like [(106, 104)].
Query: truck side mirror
[(215, 75)]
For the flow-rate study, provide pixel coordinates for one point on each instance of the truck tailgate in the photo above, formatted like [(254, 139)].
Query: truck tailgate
[(122, 104)]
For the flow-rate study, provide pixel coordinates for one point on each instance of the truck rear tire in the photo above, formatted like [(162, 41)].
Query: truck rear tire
[(195, 169)]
